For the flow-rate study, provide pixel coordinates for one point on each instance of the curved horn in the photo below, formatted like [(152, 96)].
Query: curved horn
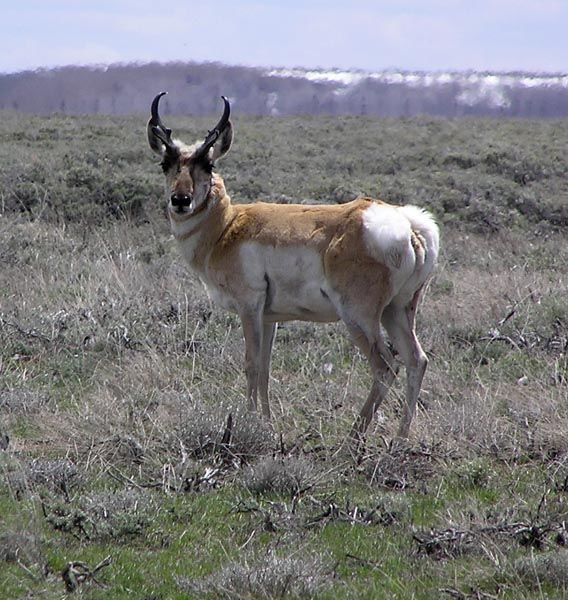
[(156, 126), (213, 134)]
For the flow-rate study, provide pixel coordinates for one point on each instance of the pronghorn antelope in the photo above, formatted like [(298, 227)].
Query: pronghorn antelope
[(365, 262)]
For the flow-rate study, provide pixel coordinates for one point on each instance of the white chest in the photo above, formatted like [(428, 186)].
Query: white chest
[(221, 295)]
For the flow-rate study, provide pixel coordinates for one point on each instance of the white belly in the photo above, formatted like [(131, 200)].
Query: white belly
[(294, 280)]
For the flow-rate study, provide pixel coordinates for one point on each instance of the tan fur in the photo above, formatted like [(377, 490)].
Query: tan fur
[(296, 225)]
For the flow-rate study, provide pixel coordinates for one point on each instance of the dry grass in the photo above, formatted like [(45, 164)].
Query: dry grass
[(288, 475), (141, 335), (272, 576), (551, 567), (118, 379)]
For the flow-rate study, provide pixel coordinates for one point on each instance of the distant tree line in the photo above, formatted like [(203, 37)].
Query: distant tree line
[(195, 89)]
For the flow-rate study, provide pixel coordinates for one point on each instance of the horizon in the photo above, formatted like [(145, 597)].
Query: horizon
[(297, 70), (122, 88)]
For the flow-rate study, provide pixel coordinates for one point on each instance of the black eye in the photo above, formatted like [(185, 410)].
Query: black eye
[(168, 162)]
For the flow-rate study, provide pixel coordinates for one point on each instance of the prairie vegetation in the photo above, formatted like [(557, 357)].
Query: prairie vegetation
[(122, 425)]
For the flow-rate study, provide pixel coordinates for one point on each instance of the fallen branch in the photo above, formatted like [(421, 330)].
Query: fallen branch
[(452, 542), (76, 573), (30, 333)]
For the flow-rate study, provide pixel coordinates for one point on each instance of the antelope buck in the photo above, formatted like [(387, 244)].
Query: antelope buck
[(364, 262)]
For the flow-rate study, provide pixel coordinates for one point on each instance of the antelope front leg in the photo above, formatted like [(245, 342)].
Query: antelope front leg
[(268, 334), (252, 330)]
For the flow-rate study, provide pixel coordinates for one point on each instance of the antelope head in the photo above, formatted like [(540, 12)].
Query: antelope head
[(188, 169)]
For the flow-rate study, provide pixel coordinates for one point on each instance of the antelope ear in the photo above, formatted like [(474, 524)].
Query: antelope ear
[(223, 144)]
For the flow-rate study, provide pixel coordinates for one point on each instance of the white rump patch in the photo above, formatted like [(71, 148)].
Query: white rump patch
[(387, 234), (423, 223)]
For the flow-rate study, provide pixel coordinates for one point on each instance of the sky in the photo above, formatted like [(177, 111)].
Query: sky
[(371, 35)]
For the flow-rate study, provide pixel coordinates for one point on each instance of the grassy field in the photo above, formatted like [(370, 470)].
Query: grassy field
[(117, 376)]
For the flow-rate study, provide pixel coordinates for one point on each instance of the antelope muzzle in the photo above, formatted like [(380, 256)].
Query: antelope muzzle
[(180, 201)]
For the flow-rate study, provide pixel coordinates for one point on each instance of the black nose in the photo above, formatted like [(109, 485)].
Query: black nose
[(180, 200)]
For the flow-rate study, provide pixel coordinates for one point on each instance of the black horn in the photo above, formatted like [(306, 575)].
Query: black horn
[(213, 134), (155, 125)]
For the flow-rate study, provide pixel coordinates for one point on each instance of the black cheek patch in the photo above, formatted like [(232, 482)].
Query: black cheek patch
[(168, 162), (206, 164)]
